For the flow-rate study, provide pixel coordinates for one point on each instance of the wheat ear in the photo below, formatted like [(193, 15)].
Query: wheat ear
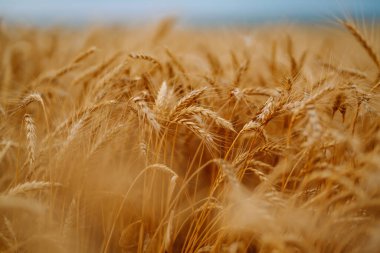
[(145, 58), (208, 114), (363, 42), (146, 113), (85, 55), (30, 186), (187, 100), (31, 138)]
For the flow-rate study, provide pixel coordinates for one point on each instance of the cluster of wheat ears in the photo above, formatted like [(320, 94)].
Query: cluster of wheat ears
[(182, 140)]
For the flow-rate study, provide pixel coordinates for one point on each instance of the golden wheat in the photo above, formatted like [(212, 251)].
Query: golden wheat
[(203, 142)]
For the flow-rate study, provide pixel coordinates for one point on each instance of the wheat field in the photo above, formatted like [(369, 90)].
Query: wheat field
[(172, 139)]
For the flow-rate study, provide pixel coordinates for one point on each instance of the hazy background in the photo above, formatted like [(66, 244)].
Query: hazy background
[(195, 12)]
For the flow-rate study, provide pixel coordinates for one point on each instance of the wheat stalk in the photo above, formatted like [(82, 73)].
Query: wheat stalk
[(168, 233), (7, 242), (69, 219), (6, 147)]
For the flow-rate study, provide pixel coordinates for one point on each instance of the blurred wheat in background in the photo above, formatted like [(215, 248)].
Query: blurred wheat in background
[(175, 139)]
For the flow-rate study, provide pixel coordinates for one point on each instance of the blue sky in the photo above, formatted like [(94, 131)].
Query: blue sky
[(43, 12)]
